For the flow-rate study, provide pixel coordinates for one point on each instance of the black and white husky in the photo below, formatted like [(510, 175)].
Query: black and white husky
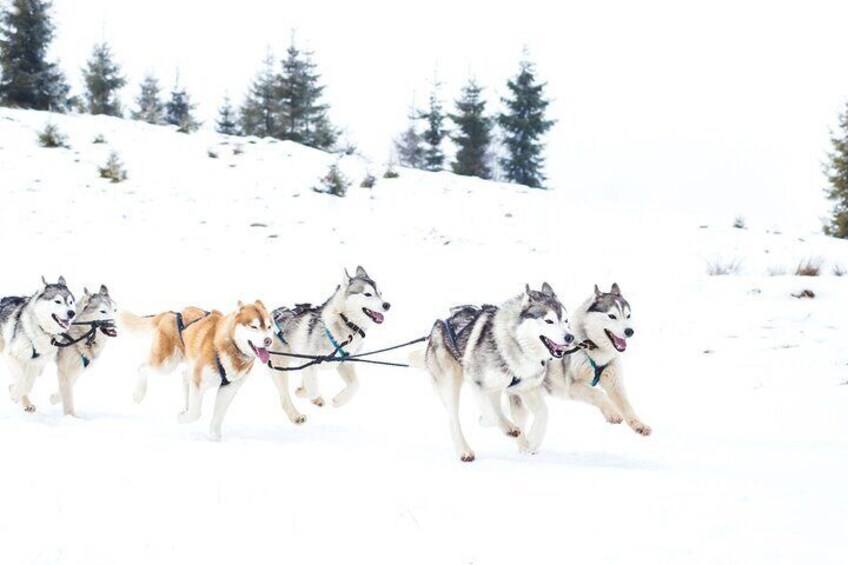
[(498, 349), (339, 325), (73, 359), (28, 328), (603, 323)]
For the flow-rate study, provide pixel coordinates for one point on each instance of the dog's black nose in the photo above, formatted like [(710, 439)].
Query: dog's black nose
[(268, 342), (569, 339), (628, 332), (71, 314), (386, 305)]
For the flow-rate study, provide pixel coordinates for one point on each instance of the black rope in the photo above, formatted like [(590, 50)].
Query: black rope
[(331, 358), (315, 359), (88, 336)]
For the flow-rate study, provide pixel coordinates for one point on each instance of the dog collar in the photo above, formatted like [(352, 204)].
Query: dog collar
[(353, 327)]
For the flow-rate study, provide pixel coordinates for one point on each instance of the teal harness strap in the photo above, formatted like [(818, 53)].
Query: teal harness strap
[(599, 369), (85, 361), (280, 334), (338, 347)]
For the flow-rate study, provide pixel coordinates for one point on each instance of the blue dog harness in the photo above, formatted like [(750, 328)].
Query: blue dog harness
[(599, 369), (338, 349)]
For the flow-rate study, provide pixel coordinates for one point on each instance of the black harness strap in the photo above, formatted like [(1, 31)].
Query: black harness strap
[(353, 327), (221, 371), (182, 326)]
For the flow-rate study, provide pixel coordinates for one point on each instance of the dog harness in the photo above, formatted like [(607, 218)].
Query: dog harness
[(182, 326), (85, 361), (599, 369), (221, 371), (353, 327), (338, 346)]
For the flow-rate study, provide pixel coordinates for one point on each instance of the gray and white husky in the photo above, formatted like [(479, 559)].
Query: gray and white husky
[(603, 323), (339, 325), (28, 327), (72, 360), (497, 349)]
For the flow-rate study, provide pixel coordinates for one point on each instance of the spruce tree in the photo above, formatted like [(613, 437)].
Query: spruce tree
[(434, 133), (523, 125), (103, 79), (150, 106), (27, 80), (178, 111), (410, 151), (836, 170), (226, 122), (302, 116), (474, 133), (260, 112)]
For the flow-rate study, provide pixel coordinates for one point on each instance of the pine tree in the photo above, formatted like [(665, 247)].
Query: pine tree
[(474, 133), (178, 111), (837, 175), (226, 122), (261, 109), (27, 80), (523, 124), (150, 106), (434, 133), (410, 151), (102, 81), (302, 116)]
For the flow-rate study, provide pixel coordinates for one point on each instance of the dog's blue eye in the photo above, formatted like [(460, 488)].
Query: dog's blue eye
[(613, 317), (57, 301), (368, 294), (549, 321), (103, 311)]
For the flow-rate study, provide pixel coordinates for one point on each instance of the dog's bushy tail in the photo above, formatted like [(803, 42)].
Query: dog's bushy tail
[(418, 357), (135, 324)]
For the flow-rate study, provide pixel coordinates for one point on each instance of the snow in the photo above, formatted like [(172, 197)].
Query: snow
[(741, 382)]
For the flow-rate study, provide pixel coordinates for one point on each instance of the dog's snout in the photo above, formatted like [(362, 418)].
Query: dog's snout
[(386, 305), (268, 342), (628, 332), (569, 339), (71, 313)]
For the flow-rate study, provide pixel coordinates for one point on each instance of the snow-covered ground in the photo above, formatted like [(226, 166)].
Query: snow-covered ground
[(741, 382)]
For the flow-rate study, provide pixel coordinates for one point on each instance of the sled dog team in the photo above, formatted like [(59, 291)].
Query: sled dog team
[(509, 356)]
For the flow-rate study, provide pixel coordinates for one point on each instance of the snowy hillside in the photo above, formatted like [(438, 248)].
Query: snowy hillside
[(740, 381)]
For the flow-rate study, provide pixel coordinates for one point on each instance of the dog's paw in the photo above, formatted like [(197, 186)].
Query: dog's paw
[(300, 392), (215, 435), (55, 398), (318, 401), (139, 394), (524, 446), (640, 428), (513, 432), (612, 416), (29, 407), (184, 418), (298, 419), (466, 457)]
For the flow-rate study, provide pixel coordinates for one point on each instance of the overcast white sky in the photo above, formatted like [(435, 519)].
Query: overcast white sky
[(720, 104)]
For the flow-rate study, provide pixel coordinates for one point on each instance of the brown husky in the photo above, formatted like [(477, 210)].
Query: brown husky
[(218, 350)]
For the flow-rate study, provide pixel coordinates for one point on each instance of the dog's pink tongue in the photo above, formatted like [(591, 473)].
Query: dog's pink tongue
[(263, 354), (378, 317), (620, 344)]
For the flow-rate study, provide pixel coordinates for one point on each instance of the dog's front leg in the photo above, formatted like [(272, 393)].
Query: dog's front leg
[(24, 386), (309, 388), (348, 374), (195, 398), (584, 393), (66, 392), (611, 381), (535, 402), (222, 403), (281, 381), (493, 412)]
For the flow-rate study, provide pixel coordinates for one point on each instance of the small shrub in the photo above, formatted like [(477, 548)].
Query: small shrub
[(113, 169), (50, 136), (739, 223), (391, 172), (809, 267), (776, 271), (238, 149), (806, 293), (334, 182), (369, 181), (721, 268), (212, 154), (98, 139), (838, 270)]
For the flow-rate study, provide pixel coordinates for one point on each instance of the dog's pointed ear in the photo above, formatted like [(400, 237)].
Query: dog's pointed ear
[(259, 304), (103, 290), (240, 305), (546, 288), (43, 281), (85, 292), (597, 292), (360, 272), (615, 289), (347, 277), (62, 281)]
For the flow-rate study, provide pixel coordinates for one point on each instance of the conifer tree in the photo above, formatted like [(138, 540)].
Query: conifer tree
[(150, 106), (523, 125), (260, 112), (302, 115), (474, 133), (103, 79), (409, 148), (178, 111), (226, 122), (434, 133), (836, 170), (27, 80)]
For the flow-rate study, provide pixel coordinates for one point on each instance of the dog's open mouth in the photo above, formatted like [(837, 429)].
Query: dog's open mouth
[(375, 316), (260, 352), (110, 331), (620, 344), (556, 350), (63, 323)]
